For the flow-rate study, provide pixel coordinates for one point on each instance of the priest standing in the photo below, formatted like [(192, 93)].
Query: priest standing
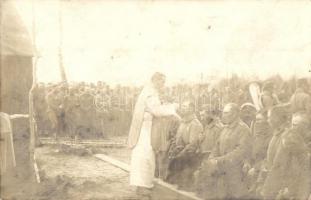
[(147, 107)]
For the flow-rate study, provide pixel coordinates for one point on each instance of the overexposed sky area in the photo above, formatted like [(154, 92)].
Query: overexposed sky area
[(126, 41)]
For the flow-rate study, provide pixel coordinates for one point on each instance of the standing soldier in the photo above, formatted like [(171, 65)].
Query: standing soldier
[(55, 100), (102, 104), (164, 129), (87, 106), (73, 113)]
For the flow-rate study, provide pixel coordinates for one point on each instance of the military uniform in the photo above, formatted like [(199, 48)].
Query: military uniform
[(271, 152), (56, 113), (290, 168), (208, 141), (210, 136), (231, 151), (88, 120), (73, 114), (102, 103), (262, 134), (183, 153), (163, 130)]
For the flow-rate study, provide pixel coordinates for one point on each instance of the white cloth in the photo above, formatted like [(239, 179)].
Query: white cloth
[(7, 155), (143, 157)]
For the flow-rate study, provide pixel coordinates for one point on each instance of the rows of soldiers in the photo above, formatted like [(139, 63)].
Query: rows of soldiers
[(91, 110), (81, 110), (242, 153), (87, 110)]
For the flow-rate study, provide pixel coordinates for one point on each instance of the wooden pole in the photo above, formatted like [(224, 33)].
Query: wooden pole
[(34, 83), (60, 45), (32, 121)]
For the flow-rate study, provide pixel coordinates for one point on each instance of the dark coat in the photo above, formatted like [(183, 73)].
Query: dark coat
[(290, 169)]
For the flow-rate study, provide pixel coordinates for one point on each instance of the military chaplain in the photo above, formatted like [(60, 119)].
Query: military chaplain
[(147, 107)]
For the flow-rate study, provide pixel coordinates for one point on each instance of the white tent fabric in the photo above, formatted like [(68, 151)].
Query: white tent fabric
[(15, 39)]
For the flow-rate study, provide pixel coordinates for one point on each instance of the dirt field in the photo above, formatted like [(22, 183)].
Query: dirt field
[(72, 172), (78, 175), (122, 154)]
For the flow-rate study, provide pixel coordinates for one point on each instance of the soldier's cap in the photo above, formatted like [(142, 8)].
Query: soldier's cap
[(248, 106), (281, 110)]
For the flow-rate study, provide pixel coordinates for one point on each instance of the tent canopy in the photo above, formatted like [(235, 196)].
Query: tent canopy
[(15, 39)]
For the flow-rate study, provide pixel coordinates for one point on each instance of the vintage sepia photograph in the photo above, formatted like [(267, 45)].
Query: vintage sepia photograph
[(155, 100)]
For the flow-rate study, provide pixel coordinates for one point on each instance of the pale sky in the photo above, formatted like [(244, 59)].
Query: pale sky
[(126, 41)]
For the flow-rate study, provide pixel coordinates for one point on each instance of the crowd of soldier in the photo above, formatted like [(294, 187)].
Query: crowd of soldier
[(90, 110), (83, 110), (222, 148), (242, 153)]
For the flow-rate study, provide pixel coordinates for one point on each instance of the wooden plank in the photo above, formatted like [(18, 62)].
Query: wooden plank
[(161, 188), (114, 162), (17, 116), (93, 143)]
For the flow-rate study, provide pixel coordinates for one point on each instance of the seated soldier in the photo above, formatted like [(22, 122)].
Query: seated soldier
[(183, 151), (224, 168), (289, 176)]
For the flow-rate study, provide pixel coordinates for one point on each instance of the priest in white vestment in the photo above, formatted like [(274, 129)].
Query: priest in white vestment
[(148, 105)]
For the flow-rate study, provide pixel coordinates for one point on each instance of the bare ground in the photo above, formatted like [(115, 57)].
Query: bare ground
[(80, 175)]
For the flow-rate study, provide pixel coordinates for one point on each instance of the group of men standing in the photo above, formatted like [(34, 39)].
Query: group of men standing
[(81, 111), (267, 157)]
